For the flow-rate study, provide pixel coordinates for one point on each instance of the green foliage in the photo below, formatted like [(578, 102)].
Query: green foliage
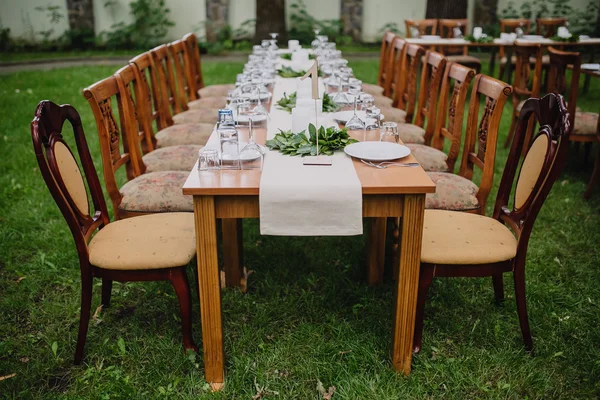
[(288, 72), (288, 56), (297, 144), (288, 102), (484, 39), (391, 27), (303, 25), (229, 39)]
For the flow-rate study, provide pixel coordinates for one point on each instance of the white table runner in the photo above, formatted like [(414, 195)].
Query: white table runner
[(302, 200)]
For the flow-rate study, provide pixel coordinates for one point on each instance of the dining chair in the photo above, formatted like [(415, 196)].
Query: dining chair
[(526, 83), (386, 46), (178, 108), (548, 27), (596, 173), (163, 131), (395, 60), (468, 245), (459, 192), (171, 158), (186, 82), (425, 26), (510, 25), (220, 90), (458, 54), (110, 251), (142, 193), (448, 122)]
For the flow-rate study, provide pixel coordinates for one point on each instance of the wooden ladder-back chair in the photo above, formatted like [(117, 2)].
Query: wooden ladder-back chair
[(459, 192), (171, 158), (510, 25), (116, 251), (143, 193), (202, 90), (467, 245), (548, 27), (432, 72), (164, 131), (526, 84), (457, 54), (425, 26), (394, 60), (386, 47), (448, 121)]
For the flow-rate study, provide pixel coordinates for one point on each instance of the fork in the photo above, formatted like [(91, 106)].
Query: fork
[(385, 164)]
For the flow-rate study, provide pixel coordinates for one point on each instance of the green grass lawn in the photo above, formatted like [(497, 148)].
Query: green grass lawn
[(308, 316)]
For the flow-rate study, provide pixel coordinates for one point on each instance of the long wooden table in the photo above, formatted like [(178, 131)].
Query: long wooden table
[(230, 196)]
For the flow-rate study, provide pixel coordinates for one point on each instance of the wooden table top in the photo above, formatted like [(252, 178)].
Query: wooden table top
[(499, 42), (393, 180)]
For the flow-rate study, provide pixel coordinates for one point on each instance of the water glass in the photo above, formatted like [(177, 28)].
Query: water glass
[(389, 132), (208, 160)]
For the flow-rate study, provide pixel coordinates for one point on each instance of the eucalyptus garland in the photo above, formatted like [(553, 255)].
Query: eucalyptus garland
[(288, 72), (288, 102), (297, 144), (483, 39), (570, 39), (288, 56)]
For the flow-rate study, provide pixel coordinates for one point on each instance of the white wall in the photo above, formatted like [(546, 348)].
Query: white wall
[(241, 11), (378, 13), (25, 21)]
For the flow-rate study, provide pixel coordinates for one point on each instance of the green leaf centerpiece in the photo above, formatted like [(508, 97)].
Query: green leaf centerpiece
[(288, 102), (297, 144), (288, 56), (288, 72), (570, 39), (482, 39)]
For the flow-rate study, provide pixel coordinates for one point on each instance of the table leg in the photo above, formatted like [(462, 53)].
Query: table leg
[(376, 251), (233, 251), (491, 71), (405, 298), (210, 290), (508, 67)]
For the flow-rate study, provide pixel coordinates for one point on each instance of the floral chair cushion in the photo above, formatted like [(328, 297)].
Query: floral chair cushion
[(374, 90), (184, 134), (393, 114), (430, 159), (156, 192), (383, 101), (173, 158), (205, 115), (215, 90), (585, 123), (208, 102), (452, 193)]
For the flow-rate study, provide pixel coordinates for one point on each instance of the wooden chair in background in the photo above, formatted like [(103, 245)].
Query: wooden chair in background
[(118, 251), (424, 26), (510, 25), (548, 27), (386, 47), (458, 192), (395, 60), (467, 245), (143, 193), (457, 54)]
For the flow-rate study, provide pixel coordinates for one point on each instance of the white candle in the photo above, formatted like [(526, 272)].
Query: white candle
[(310, 104), (300, 57), (301, 117), (303, 89), (293, 45), (477, 32)]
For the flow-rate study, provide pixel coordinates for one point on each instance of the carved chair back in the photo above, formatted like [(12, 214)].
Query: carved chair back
[(195, 63), (425, 26), (406, 91), (183, 74), (148, 77), (166, 78), (560, 83), (386, 50), (115, 143), (539, 170), (429, 91), (548, 27), (451, 110), (395, 64), (447, 31), (510, 25), (63, 177), (481, 137)]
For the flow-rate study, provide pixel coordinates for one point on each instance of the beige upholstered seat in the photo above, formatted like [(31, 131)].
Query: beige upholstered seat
[(374, 90), (156, 192), (465, 239), (208, 102), (215, 90), (430, 159), (173, 158), (585, 123), (146, 242), (383, 101), (195, 116), (393, 114), (452, 193), (184, 134)]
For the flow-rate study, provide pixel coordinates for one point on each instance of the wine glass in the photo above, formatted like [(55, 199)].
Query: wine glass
[(251, 155), (355, 123)]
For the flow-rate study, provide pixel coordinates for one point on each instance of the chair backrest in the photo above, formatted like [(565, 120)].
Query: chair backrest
[(196, 64), (186, 87), (451, 110), (540, 167), (429, 91), (63, 177), (558, 80), (386, 47), (148, 77), (405, 96), (166, 79), (447, 31), (425, 26), (509, 25), (116, 149), (548, 27), (395, 61), (481, 137)]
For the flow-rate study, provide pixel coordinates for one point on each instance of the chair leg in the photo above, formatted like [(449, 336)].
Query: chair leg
[(498, 282), (511, 132), (425, 278), (180, 283), (519, 276), (106, 291), (501, 74), (595, 176), (587, 148), (84, 316)]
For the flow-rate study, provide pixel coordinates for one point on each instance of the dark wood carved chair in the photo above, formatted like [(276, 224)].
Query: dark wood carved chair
[(116, 251), (164, 132), (457, 54), (386, 46), (458, 192), (510, 25), (468, 245), (425, 26), (143, 193), (548, 27), (448, 121)]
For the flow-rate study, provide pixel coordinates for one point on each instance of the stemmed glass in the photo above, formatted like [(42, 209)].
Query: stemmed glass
[(355, 123), (341, 98), (274, 41), (251, 155)]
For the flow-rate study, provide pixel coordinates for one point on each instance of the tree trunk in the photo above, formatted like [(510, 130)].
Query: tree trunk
[(217, 18), (446, 9), (270, 17), (81, 23), (351, 16), (485, 13)]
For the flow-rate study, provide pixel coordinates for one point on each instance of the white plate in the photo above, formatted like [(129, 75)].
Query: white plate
[(344, 116), (255, 118), (590, 67), (377, 151), (430, 37)]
